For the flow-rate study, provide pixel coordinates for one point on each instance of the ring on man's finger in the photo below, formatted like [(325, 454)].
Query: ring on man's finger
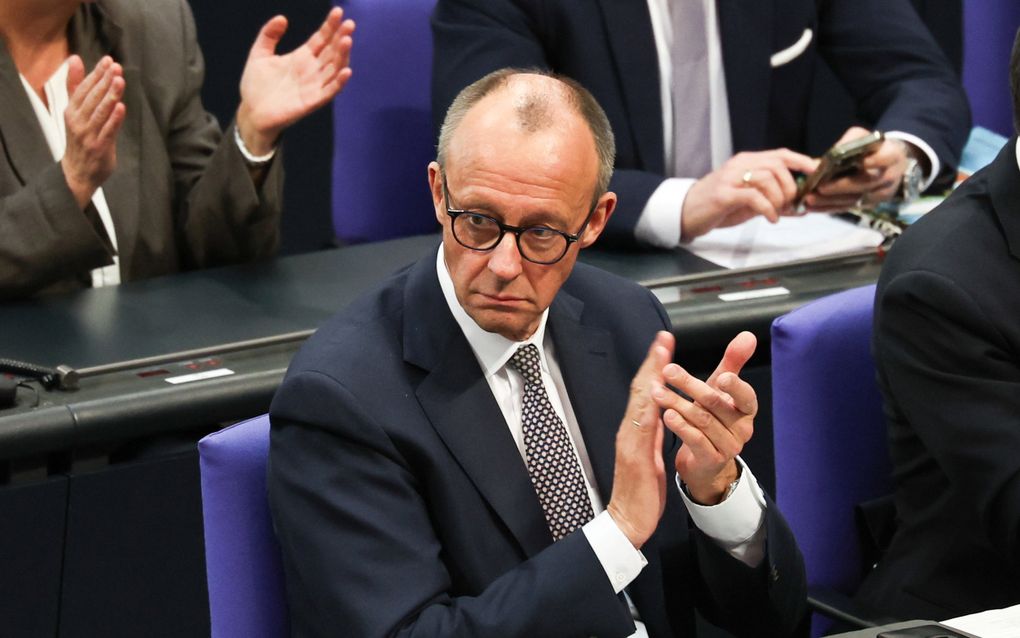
[(637, 424), (747, 177)]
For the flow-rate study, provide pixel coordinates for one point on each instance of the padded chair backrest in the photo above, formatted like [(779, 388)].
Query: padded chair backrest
[(243, 562), (383, 124), (829, 430)]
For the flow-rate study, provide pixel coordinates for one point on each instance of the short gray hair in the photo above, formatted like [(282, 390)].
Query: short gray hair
[(536, 114)]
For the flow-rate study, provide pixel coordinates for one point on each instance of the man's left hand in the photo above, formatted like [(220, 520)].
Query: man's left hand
[(278, 90), (715, 425), (877, 180)]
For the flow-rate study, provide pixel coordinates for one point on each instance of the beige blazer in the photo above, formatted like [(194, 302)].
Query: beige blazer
[(181, 196)]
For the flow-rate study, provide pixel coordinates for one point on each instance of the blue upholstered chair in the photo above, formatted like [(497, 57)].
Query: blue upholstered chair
[(830, 439), (383, 124), (245, 575)]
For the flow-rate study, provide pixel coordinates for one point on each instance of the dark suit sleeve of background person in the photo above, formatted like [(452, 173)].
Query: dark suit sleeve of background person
[(474, 37), (897, 74), (384, 532), (192, 202)]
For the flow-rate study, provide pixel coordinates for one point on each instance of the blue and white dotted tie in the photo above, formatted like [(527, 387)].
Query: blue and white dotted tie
[(554, 468)]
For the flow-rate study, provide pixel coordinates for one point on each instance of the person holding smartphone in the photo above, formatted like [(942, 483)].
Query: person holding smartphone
[(709, 100)]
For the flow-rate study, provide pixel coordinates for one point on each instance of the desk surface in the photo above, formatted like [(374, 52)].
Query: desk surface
[(292, 296), (873, 632)]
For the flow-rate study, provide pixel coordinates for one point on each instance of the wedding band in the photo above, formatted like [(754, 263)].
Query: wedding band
[(746, 179), (636, 424), (860, 203)]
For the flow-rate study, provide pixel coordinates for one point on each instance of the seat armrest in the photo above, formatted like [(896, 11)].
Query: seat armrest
[(840, 607)]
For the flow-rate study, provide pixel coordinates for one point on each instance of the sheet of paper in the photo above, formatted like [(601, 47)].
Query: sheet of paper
[(994, 623), (758, 243), (981, 148)]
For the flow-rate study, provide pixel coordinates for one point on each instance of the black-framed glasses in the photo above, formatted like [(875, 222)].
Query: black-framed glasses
[(537, 244)]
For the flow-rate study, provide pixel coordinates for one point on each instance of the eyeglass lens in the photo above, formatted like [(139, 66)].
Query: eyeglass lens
[(482, 233)]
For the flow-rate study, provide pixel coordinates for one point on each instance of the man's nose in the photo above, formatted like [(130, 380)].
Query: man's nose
[(505, 260)]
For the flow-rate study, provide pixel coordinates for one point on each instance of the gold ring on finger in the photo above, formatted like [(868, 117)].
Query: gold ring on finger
[(636, 424), (746, 179)]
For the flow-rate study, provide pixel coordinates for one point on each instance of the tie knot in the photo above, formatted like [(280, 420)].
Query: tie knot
[(525, 361)]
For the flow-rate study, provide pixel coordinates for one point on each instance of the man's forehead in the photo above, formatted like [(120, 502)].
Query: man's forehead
[(493, 137)]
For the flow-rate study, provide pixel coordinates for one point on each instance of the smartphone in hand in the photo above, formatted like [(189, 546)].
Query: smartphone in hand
[(839, 161)]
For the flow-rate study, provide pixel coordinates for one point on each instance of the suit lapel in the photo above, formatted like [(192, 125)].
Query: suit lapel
[(598, 400), (745, 31), (460, 406), (23, 140), (1004, 189), (632, 44)]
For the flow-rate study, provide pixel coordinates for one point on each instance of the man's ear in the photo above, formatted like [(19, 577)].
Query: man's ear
[(603, 211), (436, 188)]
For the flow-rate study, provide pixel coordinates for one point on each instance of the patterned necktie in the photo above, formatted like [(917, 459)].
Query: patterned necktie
[(554, 468), (692, 119)]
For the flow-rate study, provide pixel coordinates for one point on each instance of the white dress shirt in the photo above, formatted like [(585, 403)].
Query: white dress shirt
[(735, 524), (659, 223)]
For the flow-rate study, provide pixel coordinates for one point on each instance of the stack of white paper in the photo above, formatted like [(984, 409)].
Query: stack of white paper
[(756, 242), (994, 623)]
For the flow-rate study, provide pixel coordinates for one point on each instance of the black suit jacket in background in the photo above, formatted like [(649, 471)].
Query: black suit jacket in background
[(879, 50), (403, 506), (947, 347)]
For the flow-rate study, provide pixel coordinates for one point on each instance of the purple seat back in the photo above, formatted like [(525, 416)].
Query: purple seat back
[(383, 124), (243, 563), (829, 430)]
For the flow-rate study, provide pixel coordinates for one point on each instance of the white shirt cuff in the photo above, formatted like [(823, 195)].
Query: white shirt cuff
[(659, 223), (614, 550), (253, 160), (736, 524), (933, 159)]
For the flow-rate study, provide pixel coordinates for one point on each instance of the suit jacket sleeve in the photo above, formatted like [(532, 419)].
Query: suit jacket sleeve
[(934, 339), (221, 217), (359, 548), (46, 236), (897, 74), (767, 600)]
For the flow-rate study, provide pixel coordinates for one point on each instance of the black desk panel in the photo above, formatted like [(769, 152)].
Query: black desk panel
[(32, 531)]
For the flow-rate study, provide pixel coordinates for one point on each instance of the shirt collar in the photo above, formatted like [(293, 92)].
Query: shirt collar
[(492, 350)]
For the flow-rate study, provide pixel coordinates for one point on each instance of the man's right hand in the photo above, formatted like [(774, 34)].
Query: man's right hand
[(92, 119), (639, 476), (745, 186)]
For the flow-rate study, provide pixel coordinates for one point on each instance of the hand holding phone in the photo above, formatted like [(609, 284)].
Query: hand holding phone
[(839, 161)]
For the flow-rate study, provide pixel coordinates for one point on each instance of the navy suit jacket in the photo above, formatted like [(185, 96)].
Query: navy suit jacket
[(879, 49), (403, 506), (947, 349)]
